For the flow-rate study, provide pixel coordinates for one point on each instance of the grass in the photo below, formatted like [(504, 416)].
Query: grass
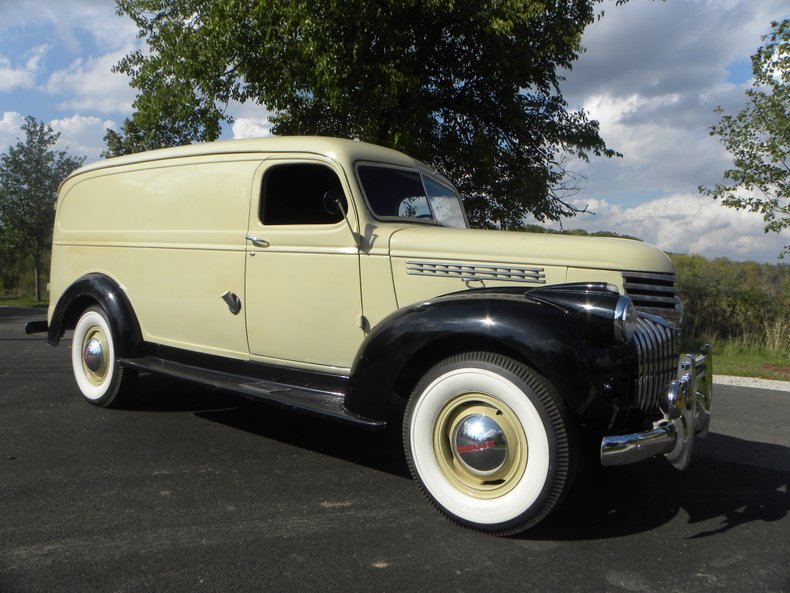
[(24, 301), (752, 362), (739, 360)]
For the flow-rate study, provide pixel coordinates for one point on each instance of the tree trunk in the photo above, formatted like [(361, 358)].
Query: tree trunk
[(36, 262)]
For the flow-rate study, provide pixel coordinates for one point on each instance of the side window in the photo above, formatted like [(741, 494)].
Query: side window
[(293, 193)]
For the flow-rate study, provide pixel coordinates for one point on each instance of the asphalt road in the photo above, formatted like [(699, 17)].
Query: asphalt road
[(198, 491)]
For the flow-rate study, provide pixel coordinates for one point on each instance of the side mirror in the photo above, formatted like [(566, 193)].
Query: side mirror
[(333, 202)]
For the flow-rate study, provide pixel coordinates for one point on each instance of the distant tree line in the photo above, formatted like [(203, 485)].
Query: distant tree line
[(536, 228), (742, 302)]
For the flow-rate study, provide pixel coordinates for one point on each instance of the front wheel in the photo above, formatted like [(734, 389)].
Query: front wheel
[(487, 439), (94, 361)]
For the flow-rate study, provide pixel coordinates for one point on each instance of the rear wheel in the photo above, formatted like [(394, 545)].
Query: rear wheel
[(94, 360), (487, 439)]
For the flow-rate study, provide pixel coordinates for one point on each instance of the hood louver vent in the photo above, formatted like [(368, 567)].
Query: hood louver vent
[(502, 273)]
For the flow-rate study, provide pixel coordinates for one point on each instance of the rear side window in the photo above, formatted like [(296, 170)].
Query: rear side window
[(293, 193)]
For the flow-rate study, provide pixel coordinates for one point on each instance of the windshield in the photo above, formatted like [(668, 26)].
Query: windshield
[(408, 194)]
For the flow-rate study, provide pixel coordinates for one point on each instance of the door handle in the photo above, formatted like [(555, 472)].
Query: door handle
[(256, 241)]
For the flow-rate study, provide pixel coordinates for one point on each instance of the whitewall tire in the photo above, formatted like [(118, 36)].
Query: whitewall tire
[(487, 439), (94, 361)]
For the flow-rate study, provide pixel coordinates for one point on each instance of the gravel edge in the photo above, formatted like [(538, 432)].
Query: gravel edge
[(751, 382)]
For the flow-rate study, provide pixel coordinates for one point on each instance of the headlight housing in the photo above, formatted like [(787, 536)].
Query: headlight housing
[(625, 320)]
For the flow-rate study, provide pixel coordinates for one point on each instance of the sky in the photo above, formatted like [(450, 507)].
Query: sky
[(652, 74)]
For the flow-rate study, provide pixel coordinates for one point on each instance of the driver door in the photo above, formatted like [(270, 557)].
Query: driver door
[(303, 298)]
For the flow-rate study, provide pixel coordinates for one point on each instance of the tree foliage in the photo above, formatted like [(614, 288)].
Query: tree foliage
[(758, 137), (743, 302), (30, 173), (469, 86)]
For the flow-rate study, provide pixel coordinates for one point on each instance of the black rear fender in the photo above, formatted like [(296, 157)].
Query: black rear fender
[(97, 289)]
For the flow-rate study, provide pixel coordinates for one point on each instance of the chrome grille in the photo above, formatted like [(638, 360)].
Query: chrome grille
[(658, 346), (464, 271), (654, 293)]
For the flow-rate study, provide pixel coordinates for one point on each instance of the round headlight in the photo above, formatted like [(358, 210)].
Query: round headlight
[(625, 319)]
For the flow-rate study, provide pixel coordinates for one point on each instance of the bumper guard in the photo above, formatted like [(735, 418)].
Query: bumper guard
[(686, 406)]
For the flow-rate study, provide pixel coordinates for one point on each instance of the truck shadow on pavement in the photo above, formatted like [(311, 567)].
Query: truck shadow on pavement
[(381, 450), (731, 481)]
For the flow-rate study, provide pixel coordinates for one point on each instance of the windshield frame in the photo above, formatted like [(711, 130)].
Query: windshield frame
[(422, 173)]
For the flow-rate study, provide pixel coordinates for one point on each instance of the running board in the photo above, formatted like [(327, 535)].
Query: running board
[(303, 399)]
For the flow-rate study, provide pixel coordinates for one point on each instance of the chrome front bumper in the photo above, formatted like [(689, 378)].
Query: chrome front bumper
[(686, 406)]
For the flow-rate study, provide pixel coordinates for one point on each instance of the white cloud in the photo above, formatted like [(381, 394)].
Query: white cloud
[(666, 64), (245, 127), (82, 135), (23, 76), (659, 154), (79, 135), (652, 75), (250, 120), (70, 20), (90, 85), (10, 127), (87, 33), (664, 47), (685, 223)]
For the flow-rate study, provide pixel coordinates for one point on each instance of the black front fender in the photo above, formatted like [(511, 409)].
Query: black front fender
[(97, 289), (561, 343)]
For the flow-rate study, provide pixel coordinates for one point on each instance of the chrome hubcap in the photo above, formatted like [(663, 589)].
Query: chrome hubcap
[(93, 355), (95, 351), (480, 444)]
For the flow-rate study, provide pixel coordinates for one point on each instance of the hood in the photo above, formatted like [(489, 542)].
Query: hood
[(599, 253)]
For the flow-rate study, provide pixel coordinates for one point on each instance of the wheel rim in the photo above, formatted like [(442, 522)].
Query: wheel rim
[(479, 445), (95, 349)]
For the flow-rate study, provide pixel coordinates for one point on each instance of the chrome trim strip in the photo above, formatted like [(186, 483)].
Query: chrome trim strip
[(469, 271)]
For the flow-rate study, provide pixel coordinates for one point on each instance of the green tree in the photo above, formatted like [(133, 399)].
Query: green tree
[(30, 173), (469, 86), (143, 132), (758, 137), (9, 261)]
